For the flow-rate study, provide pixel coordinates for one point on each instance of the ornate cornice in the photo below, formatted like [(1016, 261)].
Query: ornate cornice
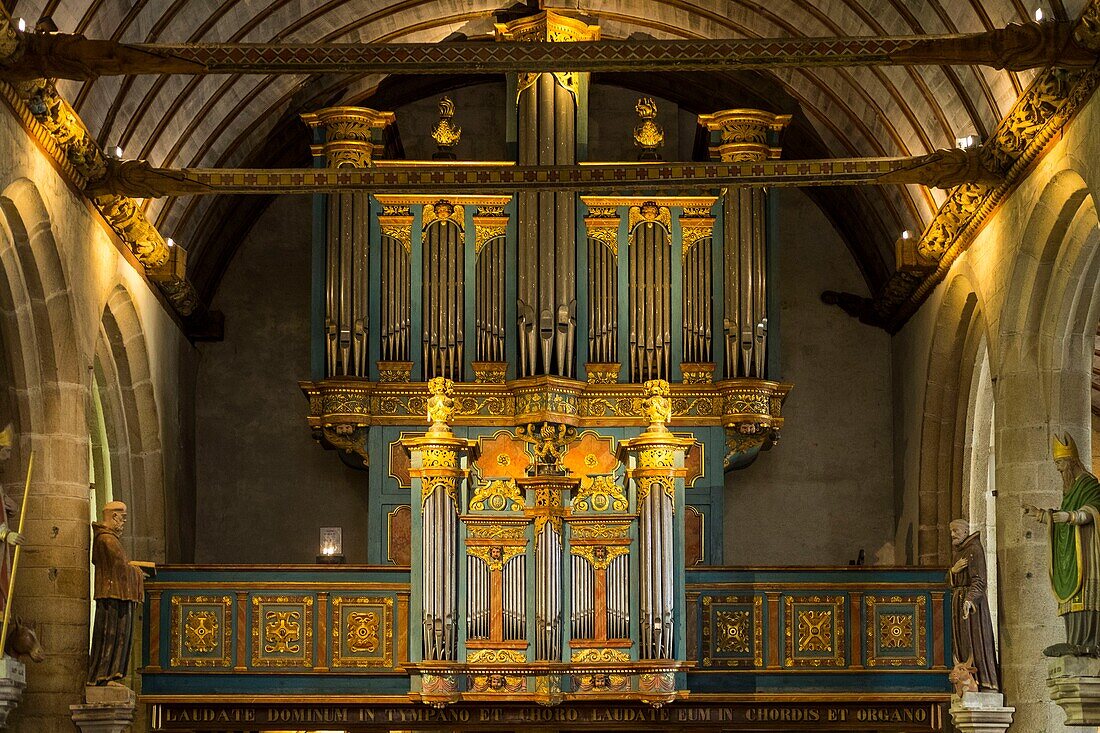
[(58, 130), (1035, 122), (750, 404)]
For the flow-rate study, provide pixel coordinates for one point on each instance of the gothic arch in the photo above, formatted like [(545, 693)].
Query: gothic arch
[(47, 392), (131, 422), (959, 346)]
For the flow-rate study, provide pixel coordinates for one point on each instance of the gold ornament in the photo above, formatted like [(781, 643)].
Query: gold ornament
[(656, 407), (440, 405), (648, 135), (445, 133)]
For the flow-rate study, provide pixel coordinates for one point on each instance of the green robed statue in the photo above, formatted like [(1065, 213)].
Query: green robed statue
[(1074, 552)]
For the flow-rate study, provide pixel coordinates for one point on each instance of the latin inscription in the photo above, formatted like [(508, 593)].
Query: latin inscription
[(926, 716)]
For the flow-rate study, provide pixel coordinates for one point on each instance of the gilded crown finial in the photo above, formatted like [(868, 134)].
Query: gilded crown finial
[(648, 135), (1065, 447), (657, 407), (440, 406), (445, 133)]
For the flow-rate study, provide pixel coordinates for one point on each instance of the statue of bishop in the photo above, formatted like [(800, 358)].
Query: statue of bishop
[(1074, 552)]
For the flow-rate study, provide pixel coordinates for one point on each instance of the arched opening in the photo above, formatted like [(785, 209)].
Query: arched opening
[(980, 475)]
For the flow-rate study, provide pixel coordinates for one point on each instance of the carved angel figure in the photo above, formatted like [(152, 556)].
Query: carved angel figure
[(440, 406), (657, 407)]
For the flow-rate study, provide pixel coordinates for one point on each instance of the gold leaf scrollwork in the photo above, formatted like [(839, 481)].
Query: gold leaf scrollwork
[(496, 556), (496, 531), (896, 630), (815, 631), (362, 631), (201, 631), (429, 485), (732, 631), (600, 531), (498, 496), (646, 484), (282, 632), (601, 494), (599, 556)]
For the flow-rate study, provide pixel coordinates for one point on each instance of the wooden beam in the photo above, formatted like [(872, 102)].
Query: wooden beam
[(944, 168), (1016, 47)]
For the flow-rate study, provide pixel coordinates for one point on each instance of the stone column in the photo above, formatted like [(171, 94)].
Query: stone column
[(740, 135), (1029, 620), (109, 709), (980, 712), (551, 110), (349, 142)]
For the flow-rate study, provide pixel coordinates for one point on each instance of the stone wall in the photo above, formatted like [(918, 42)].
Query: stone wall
[(830, 478), (62, 282), (1031, 284)]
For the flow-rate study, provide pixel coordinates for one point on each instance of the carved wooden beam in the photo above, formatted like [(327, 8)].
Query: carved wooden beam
[(51, 121), (1016, 47), (943, 168)]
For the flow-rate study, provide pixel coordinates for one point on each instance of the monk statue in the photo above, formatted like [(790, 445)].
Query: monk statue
[(971, 624), (9, 538), (1074, 552), (119, 587)]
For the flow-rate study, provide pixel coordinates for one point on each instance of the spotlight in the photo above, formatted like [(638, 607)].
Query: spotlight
[(21, 25), (118, 152), (170, 242), (1038, 15), (905, 234)]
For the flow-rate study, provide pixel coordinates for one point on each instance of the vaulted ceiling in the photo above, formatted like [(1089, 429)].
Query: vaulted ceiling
[(183, 121)]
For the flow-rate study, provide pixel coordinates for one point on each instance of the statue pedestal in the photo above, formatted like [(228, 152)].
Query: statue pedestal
[(980, 711), (107, 709), (1074, 684), (13, 678)]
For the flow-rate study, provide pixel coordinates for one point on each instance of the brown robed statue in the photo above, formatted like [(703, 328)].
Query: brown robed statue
[(119, 587), (971, 624)]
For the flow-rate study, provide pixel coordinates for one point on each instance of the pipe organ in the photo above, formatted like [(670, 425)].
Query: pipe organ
[(549, 512)]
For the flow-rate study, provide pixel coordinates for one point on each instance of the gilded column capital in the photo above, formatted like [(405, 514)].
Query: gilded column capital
[(552, 27), (349, 134), (743, 134)]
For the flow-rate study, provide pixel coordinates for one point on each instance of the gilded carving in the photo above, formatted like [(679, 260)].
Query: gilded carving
[(602, 372), (647, 484), (496, 556), (498, 495), (601, 494), (444, 210), (495, 656), (656, 407), (599, 531), (548, 442), (511, 531), (490, 372), (201, 631), (813, 631), (648, 134), (362, 631), (430, 484), (555, 28), (896, 634), (282, 631), (349, 133), (649, 211), (396, 223), (598, 682), (733, 631), (599, 556), (445, 133), (440, 406), (744, 134)]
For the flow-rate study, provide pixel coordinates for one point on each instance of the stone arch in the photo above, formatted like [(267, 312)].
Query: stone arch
[(957, 352), (47, 396), (1045, 345), (124, 381)]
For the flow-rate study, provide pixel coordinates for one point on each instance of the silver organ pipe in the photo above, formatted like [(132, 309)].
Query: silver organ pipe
[(618, 598), (491, 274), (697, 302), (514, 611), (443, 301), (746, 319), (582, 613), (650, 302), (477, 598), (396, 319), (657, 574), (346, 286), (603, 302), (440, 570), (548, 608)]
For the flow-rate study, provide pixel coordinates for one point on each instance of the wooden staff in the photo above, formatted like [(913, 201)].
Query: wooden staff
[(15, 557)]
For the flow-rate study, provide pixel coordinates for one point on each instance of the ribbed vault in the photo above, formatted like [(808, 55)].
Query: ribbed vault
[(252, 120)]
